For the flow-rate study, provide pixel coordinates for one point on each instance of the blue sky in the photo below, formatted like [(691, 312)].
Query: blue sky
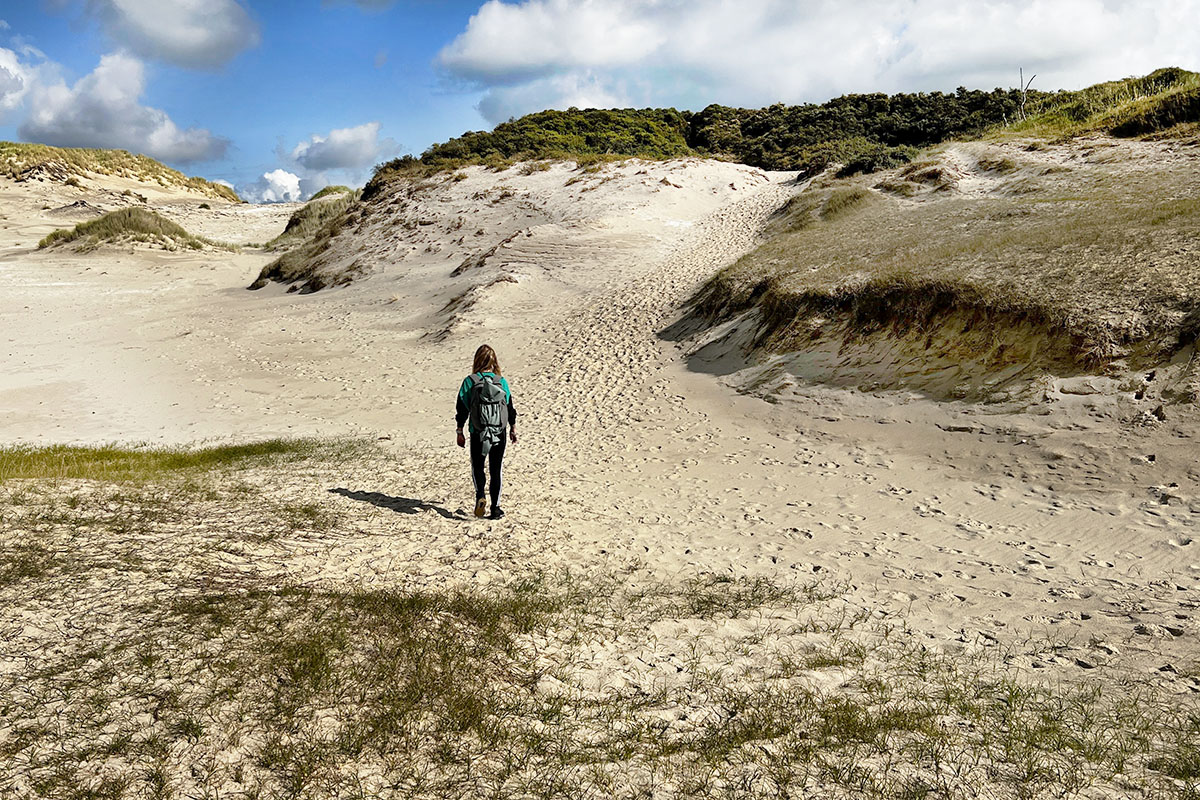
[(279, 97)]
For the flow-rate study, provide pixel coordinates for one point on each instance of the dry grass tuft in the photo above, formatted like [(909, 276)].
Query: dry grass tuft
[(129, 225)]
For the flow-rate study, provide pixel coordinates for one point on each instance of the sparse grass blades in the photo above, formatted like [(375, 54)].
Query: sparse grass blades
[(121, 464), (493, 692), (842, 200), (126, 224), (28, 560)]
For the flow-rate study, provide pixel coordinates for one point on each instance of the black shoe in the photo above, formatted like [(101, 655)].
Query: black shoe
[(480, 506), (497, 513)]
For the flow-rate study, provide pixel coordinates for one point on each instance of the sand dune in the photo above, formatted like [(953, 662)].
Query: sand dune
[(979, 526)]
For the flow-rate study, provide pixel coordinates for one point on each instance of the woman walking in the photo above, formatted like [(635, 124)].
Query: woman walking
[(485, 403)]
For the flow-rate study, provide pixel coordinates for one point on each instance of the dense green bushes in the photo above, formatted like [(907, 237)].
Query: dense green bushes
[(863, 132), (650, 133)]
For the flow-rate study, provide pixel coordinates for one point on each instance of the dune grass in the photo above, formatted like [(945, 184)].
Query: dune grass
[(1094, 256), (328, 190), (139, 225), (18, 158), (1165, 100), (113, 463), (308, 221)]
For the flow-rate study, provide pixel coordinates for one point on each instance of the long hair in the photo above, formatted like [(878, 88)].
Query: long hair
[(486, 361)]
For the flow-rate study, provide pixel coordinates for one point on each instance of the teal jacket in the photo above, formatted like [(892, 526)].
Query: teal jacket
[(462, 408)]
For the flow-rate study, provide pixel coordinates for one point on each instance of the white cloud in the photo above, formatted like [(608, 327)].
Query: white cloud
[(201, 34), (344, 155), (276, 186), (343, 148), (102, 110), (16, 78), (555, 53), (579, 89)]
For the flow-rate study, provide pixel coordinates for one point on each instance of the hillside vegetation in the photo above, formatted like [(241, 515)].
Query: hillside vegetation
[(1167, 101), (127, 225), (865, 132), (19, 160), (862, 132), (997, 260)]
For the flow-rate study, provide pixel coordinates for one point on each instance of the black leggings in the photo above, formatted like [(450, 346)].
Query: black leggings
[(495, 459)]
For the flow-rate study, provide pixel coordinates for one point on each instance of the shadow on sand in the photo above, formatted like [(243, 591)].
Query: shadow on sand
[(402, 505)]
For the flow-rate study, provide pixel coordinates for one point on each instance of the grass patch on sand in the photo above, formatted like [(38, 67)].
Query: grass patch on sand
[(129, 225), (18, 160), (496, 691), (116, 464)]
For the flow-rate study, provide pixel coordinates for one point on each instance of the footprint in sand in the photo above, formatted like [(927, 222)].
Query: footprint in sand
[(925, 509)]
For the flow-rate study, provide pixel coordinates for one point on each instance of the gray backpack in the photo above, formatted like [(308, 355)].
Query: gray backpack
[(488, 407)]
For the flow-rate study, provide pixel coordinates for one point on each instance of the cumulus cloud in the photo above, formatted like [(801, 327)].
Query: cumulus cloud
[(199, 34), (102, 110), (555, 53), (276, 186), (584, 89), (343, 148), (16, 78)]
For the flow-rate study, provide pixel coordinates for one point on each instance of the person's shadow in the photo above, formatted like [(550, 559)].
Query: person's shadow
[(402, 505)]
